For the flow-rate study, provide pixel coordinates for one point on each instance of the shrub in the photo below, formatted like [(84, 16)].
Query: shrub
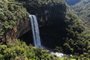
[(20, 50)]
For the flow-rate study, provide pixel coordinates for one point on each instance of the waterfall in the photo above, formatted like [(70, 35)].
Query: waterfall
[(35, 31), (36, 35)]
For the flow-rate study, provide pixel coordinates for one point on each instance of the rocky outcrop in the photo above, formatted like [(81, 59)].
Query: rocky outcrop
[(21, 28)]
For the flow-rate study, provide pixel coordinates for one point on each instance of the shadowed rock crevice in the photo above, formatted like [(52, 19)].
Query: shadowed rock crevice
[(27, 37)]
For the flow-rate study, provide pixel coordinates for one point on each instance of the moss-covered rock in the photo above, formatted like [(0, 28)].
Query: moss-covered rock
[(12, 14)]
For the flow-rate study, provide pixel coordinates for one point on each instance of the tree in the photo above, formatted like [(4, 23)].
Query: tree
[(76, 31)]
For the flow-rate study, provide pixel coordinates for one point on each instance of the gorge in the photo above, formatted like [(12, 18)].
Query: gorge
[(28, 25), (59, 27)]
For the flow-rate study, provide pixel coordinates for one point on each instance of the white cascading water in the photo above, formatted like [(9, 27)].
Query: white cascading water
[(36, 35), (35, 31)]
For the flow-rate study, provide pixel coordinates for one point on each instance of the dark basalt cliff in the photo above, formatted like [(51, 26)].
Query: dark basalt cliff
[(51, 16)]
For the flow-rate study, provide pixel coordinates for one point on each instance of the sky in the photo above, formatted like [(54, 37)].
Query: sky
[(72, 2)]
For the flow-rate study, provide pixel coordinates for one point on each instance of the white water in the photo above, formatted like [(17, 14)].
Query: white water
[(57, 54), (36, 35), (35, 31)]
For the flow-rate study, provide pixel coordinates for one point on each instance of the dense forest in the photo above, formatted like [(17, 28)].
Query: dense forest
[(62, 29)]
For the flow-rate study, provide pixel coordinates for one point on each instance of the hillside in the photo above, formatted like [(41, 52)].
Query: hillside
[(82, 9), (61, 30)]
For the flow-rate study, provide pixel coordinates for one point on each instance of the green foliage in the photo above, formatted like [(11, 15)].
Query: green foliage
[(10, 13), (20, 50), (76, 41)]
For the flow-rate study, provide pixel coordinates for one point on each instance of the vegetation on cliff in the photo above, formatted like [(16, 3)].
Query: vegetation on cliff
[(77, 36), (10, 13)]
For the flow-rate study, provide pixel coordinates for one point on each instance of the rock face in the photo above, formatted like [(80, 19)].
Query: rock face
[(21, 28)]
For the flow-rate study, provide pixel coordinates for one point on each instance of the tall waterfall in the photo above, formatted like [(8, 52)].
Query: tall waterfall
[(35, 31), (36, 36)]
